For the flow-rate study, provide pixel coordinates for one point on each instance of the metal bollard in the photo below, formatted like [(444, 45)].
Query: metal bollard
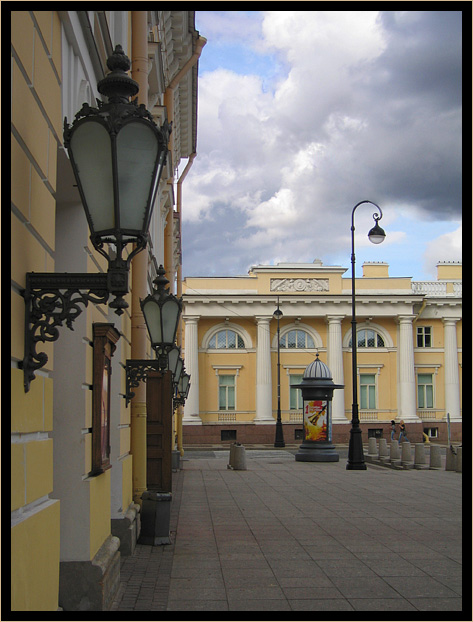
[(372, 450), (419, 456), (175, 460), (435, 458), (458, 467), (394, 450)]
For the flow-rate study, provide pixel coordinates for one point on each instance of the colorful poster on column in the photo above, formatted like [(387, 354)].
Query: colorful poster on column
[(315, 420)]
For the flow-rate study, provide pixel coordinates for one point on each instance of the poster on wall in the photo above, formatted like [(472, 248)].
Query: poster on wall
[(105, 414), (316, 420), (105, 338)]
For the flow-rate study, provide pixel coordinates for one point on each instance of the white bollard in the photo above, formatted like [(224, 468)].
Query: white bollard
[(372, 450), (419, 456), (383, 448), (435, 458), (458, 467), (406, 457), (237, 457), (394, 450)]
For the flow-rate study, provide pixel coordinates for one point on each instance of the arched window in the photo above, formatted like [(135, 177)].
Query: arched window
[(226, 339), (367, 338), (297, 339)]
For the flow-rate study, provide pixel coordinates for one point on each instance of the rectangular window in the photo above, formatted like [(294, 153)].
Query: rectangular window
[(424, 336), (228, 435), (367, 391), (226, 392), (295, 395), (425, 391), (375, 432)]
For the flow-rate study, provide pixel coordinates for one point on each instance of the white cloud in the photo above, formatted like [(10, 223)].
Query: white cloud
[(347, 122), (447, 247)]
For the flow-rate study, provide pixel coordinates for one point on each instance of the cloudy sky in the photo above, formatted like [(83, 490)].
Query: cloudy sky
[(302, 114)]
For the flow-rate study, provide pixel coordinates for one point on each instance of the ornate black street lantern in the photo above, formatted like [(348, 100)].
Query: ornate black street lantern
[(376, 235), (117, 154), (182, 389), (161, 311), (175, 363)]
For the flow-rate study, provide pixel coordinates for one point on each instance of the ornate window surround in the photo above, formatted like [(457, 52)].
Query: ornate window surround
[(298, 326), (388, 342), (227, 326)]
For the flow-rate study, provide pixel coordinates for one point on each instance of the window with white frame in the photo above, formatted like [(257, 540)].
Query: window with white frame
[(297, 338), (226, 392), (425, 391), (367, 391), (424, 336), (295, 395), (226, 340)]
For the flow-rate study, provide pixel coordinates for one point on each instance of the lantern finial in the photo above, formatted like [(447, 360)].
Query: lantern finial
[(117, 85)]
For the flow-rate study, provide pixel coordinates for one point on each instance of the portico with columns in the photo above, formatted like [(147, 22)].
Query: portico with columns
[(409, 351)]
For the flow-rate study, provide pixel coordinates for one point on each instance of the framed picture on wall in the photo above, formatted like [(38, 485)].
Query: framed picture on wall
[(104, 344)]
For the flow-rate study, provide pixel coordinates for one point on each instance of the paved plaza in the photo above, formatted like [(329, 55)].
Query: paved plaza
[(296, 536)]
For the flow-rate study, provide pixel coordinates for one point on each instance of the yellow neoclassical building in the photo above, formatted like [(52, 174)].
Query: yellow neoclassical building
[(70, 521), (408, 344)]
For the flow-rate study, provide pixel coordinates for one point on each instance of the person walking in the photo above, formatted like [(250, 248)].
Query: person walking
[(402, 431), (393, 429)]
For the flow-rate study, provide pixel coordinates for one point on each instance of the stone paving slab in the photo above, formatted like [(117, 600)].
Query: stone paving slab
[(294, 536)]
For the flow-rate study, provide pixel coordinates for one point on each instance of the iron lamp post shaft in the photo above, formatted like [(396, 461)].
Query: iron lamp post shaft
[(279, 439), (356, 459)]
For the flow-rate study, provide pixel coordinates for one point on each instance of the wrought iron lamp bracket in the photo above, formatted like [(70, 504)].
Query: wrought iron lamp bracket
[(55, 299), (136, 372)]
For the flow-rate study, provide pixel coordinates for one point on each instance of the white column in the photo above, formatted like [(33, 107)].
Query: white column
[(452, 381), (407, 381), (264, 409), (191, 360), (335, 364)]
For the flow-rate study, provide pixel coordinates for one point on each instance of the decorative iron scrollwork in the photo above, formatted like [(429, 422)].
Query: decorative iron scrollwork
[(51, 301), (136, 372)]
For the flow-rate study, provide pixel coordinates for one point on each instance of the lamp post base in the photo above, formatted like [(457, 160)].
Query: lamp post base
[(279, 440), (356, 459), (317, 451), (155, 518)]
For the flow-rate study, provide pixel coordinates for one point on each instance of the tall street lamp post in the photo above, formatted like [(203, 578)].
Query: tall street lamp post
[(279, 440), (376, 235)]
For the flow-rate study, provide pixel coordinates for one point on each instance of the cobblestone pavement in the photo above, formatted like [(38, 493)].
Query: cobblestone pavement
[(294, 536)]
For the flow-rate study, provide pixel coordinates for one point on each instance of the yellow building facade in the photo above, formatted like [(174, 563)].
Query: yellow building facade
[(408, 351), (70, 525)]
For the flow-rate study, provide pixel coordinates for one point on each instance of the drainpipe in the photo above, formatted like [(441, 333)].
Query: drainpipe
[(190, 161), (169, 103), (168, 232), (139, 63), (179, 289)]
